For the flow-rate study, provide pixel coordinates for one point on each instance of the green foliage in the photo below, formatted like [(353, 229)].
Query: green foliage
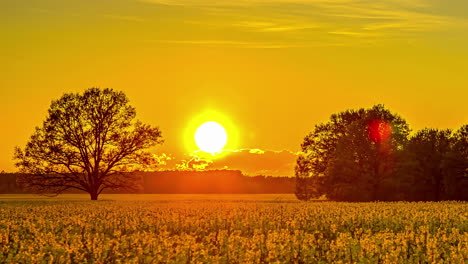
[(456, 165), (85, 143), (427, 150), (436, 165), (359, 166), (351, 155), (368, 155)]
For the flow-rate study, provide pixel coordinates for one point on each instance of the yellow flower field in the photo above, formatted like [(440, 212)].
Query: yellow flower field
[(177, 229)]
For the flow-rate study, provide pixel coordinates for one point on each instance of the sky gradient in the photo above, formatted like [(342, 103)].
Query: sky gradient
[(272, 68)]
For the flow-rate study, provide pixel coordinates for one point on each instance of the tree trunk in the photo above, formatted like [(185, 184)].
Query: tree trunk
[(438, 185), (94, 195), (437, 190)]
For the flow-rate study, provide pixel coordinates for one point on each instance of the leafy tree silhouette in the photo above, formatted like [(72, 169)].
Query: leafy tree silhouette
[(338, 156), (436, 164), (87, 142)]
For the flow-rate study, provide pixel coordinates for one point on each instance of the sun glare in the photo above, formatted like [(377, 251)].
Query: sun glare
[(209, 133), (211, 137)]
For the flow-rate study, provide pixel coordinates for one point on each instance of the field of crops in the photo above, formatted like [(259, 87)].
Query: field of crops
[(230, 229)]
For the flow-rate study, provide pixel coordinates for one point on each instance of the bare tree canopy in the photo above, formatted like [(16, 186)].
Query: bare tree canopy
[(87, 143)]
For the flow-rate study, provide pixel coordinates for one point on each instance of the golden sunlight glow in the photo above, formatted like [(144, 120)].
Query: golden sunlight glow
[(198, 135), (211, 137), (230, 61)]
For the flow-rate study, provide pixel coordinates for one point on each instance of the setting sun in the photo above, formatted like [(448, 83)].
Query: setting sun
[(211, 137), (210, 132), (248, 131)]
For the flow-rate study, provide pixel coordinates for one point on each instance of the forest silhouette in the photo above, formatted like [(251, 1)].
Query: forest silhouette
[(185, 182), (92, 143), (370, 155)]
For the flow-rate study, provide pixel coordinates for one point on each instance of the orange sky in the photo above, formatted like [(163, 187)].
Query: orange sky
[(273, 68)]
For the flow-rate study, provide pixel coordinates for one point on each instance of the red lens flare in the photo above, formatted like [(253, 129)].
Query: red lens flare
[(379, 130)]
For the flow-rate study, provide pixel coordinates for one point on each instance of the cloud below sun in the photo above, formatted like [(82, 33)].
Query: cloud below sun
[(251, 162)]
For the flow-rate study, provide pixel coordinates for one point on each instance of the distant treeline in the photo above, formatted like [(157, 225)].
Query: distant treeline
[(8, 183), (173, 182)]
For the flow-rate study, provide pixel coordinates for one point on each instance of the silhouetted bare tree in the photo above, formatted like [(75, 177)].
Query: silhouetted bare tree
[(88, 142)]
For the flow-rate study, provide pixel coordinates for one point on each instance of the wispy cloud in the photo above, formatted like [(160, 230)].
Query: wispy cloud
[(256, 151), (239, 2), (307, 23), (238, 44), (277, 26), (124, 18), (356, 34), (388, 16)]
